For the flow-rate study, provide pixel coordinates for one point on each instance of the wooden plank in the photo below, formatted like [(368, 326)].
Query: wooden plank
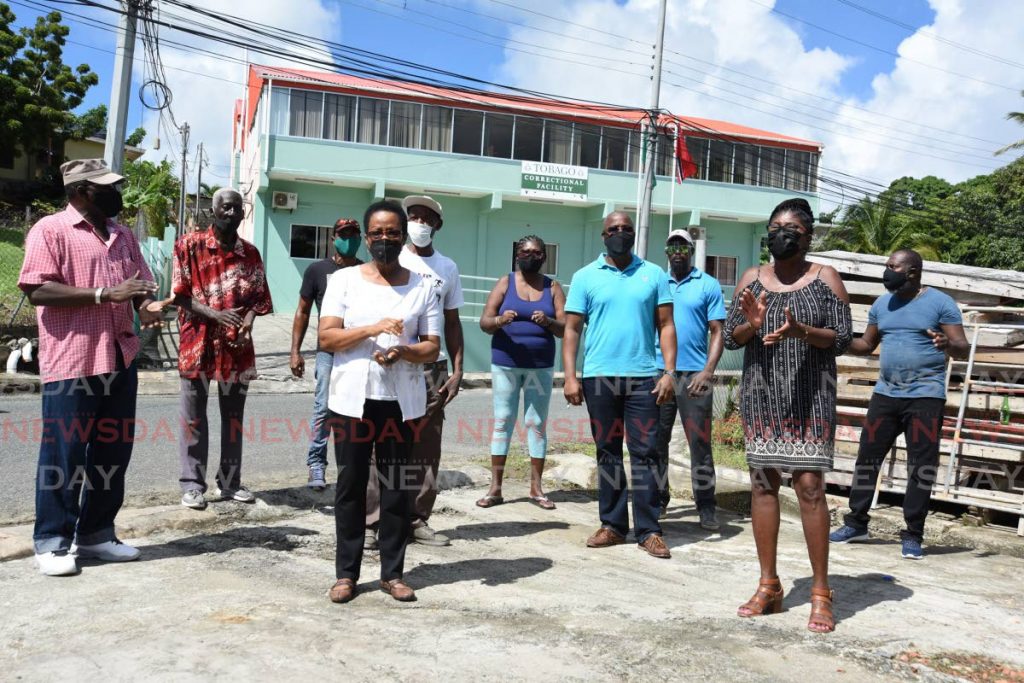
[(866, 291), (996, 338), (1001, 283), (983, 403)]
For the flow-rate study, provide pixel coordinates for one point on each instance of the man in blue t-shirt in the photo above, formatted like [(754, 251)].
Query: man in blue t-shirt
[(917, 326), (698, 308), (624, 301)]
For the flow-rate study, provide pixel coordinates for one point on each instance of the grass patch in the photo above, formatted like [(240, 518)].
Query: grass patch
[(517, 464), (12, 253), (727, 442)]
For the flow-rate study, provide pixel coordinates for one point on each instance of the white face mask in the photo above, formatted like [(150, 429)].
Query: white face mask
[(420, 233)]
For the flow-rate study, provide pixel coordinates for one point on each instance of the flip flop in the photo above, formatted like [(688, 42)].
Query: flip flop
[(542, 502), (489, 501)]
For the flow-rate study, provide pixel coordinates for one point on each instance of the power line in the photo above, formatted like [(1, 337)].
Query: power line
[(930, 34), (882, 50)]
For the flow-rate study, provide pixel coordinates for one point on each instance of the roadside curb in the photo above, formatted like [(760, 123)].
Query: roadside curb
[(733, 494), (271, 504)]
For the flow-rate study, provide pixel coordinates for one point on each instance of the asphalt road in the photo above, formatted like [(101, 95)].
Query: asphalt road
[(275, 448)]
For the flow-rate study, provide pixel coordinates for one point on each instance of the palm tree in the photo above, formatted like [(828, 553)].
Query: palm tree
[(873, 227), (1017, 116)]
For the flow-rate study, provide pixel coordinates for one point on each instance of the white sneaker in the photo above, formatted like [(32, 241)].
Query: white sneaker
[(242, 495), (57, 563), (111, 551), (194, 498)]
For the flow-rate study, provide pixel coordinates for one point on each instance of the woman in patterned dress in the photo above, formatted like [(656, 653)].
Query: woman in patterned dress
[(793, 318)]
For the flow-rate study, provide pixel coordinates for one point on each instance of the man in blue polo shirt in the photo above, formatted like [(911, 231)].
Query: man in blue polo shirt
[(623, 300), (698, 308), (916, 326)]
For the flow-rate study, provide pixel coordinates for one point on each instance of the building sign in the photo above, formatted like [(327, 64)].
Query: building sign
[(554, 181)]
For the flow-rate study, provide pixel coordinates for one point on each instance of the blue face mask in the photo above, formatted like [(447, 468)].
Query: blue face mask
[(347, 246)]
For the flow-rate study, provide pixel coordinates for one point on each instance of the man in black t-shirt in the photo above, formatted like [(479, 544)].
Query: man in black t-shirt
[(314, 284)]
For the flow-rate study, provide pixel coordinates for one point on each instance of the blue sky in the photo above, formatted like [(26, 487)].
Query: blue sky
[(878, 116), (362, 27)]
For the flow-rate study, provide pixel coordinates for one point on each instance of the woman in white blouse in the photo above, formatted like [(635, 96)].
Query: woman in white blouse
[(381, 321)]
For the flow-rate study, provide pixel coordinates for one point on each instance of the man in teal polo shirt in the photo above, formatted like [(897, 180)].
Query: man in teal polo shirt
[(623, 300), (698, 308)]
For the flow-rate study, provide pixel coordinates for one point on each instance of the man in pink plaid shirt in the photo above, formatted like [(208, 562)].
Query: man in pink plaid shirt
[(85, 274)]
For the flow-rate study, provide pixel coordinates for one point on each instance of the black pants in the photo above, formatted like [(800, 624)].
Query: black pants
[(382, 433), (696, 416), (920, 421)]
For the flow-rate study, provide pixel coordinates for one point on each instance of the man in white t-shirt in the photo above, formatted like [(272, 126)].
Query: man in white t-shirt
[(420, 256)]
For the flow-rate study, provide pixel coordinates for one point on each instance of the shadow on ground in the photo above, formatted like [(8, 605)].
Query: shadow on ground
[(489, 572), (278, 538), (853, 594), (484, 531)]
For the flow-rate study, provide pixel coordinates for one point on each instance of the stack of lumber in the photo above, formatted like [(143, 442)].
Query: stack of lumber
[(989, 475)]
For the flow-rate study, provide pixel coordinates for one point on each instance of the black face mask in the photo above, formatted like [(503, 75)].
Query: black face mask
[(229, 224), (783, 244), (385, 251), (893, 280), (107, 201), (529, 264), (619, 243)]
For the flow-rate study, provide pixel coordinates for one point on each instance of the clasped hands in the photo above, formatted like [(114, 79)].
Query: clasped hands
[(754, 309)]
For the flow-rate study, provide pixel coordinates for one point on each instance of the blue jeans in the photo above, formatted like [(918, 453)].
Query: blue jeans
[(535, 383), (624, 408), (319, 430), (88, 433)]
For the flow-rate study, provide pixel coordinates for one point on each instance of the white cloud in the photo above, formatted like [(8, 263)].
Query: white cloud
[(735, 60), (205, 98)]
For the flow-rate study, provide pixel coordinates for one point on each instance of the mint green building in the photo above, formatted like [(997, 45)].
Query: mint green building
[(310, 147)]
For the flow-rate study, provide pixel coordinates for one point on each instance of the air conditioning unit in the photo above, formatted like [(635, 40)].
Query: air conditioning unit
[(698, 233), (285, 200)]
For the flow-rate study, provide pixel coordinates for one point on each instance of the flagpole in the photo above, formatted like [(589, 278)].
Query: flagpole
[(675, 176)]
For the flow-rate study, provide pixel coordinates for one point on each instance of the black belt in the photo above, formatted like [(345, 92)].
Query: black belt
[(443, 364)]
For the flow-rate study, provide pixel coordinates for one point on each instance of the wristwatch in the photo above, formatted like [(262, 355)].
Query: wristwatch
[(99, 295)]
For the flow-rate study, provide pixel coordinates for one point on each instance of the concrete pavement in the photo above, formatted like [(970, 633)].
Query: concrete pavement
[(516, 596)]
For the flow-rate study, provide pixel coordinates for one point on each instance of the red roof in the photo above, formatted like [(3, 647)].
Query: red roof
[(487, 101)]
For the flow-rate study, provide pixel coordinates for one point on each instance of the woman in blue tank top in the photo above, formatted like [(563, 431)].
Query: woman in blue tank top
[(524, 313)]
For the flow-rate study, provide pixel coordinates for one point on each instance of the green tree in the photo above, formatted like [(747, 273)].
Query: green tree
[(876, 227), (986, 216), (152, 189), (1017, 116), (94, 123), (37, 90)]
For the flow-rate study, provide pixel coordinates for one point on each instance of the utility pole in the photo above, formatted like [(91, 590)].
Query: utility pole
[(650, 141), (184, 171), (199, 180), (117, 121)]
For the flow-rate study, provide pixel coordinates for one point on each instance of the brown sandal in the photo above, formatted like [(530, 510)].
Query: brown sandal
[(767, 599), (821, 611)]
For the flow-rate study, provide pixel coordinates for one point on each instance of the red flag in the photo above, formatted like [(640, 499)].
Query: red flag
[(685, 166)]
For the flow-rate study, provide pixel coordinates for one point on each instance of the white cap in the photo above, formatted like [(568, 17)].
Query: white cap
[(422, 200), (681, 233)]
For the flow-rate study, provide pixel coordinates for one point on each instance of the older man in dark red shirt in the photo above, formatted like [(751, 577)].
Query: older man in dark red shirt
[(220, 287), (84, 272)]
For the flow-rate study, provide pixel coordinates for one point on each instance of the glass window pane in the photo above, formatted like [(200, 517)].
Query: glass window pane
[(405, 124), (720, 161), (557, 142), (305, 115), (373, 121), (586, 145), (665, 155), (528, 138), (796, 170), (303, 241), (437, 128), (614, 148), (698, 149), (339, 117), (771, 167), (498, 135), (812, 173), (633, 150), (279, 105), (468, 132), (745, 170)]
